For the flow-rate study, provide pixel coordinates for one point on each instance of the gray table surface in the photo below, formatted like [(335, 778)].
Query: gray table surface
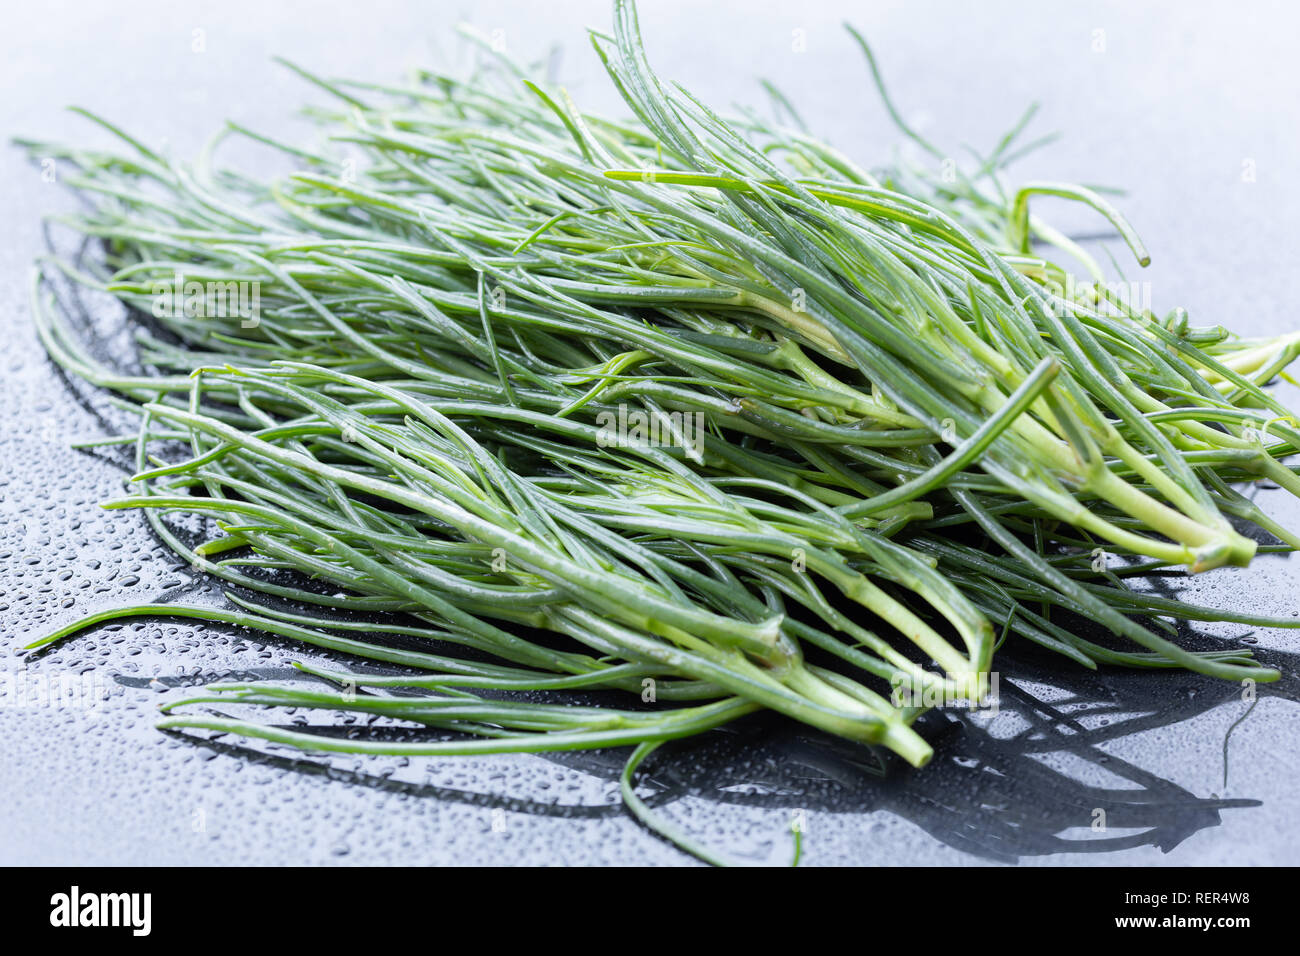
[(1173, 102)]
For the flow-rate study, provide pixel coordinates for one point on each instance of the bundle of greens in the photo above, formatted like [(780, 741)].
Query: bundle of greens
[(654, 406)]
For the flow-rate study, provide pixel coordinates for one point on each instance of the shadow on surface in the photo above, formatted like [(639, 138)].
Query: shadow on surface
[(1034, 780)]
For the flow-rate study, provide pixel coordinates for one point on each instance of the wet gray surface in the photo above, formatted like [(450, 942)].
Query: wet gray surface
[(1174, 105)]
